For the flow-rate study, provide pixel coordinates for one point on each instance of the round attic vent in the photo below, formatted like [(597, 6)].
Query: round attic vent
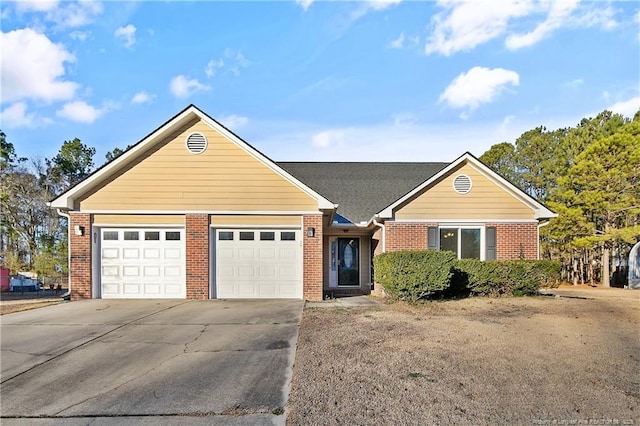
[(196, 143), (462, 184)]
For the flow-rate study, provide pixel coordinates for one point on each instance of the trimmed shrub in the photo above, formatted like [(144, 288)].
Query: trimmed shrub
[(414, 274), (510, 277), (422, 274)]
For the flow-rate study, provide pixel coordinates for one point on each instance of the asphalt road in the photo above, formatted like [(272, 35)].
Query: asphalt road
[(139, 362)]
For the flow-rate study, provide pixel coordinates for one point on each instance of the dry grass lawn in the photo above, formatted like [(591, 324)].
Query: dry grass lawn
[(473, 361)]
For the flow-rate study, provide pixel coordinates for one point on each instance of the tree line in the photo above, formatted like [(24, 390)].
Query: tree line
[(588, 174)]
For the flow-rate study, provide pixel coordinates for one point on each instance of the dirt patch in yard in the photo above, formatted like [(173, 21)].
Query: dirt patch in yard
[(19, 307), (474, 361)]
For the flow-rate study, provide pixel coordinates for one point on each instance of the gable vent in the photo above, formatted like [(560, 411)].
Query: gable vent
[(196, 143), (462, 184)]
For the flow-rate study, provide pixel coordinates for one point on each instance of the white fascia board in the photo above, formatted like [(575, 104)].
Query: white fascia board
[(66, 199), (323, 203), (540, 211)]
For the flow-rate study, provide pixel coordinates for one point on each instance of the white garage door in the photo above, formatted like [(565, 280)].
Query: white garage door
[(258, 263), (142, 263)]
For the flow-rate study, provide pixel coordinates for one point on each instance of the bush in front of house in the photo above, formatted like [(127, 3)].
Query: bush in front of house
[(413, 275), (423, 274), (507, 277)]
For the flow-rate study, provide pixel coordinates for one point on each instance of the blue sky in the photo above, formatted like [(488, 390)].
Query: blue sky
[(315, 80)]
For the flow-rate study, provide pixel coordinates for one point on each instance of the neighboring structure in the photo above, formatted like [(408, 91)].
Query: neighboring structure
[(193, 211), (634, 267)]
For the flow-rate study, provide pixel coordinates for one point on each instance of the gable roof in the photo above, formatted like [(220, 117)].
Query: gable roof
[(540, 211), (66, 199), (362, 189)]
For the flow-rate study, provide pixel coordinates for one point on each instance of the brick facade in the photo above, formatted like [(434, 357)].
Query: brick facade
[(406, 236), (516, 240), (312, 252), (197, 255), (80, 256)]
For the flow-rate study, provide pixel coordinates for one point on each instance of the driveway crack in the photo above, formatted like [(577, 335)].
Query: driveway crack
[(195, 339)]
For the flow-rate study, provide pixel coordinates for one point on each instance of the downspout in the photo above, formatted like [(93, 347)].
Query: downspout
[(384, 238), (540, 225), (63, 214)]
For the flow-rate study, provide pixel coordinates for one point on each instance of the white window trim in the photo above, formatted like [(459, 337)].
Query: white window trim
[(459, 226)]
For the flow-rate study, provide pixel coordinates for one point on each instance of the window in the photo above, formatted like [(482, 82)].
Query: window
[(225, 236), (267, 236), (152, 236), (246, 236), (131, 236), (172, 236), (110, 236), (465, 242), (287, 236)]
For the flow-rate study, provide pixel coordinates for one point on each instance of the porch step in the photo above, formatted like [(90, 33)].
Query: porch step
[(344, 292)]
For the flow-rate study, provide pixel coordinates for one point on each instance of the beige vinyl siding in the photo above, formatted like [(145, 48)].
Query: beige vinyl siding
[(130, 219), (224, 177), (486, 200), (242, 220)]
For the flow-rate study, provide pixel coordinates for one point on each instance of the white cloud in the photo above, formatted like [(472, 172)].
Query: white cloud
[(304, 4), (65, 14), (183, 87), (398, 43), (559, 11), (36, 6), (236, 60), (382, 4), (127, 35), (16, 116), (233, 121), (382, 141), (574, 84), (212, 65), (464, 25), (477, 86), (79, 35), (329, 138), (142, 98), (33, 67), (372, 6), (627, 108), (80, 111)]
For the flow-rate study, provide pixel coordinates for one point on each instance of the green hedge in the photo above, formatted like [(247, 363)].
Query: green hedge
[(422, 274), (507, 277), (414, 274)]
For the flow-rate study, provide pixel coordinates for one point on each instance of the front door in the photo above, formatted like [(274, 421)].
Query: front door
[(349, 261)]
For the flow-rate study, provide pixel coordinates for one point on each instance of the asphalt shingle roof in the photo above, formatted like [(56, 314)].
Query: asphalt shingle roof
[(362, 189)]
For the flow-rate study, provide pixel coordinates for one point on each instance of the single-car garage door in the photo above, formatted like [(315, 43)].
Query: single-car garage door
[(142, 263), (258, 263)]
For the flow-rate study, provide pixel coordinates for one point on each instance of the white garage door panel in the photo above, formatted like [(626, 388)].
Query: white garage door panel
[(142, 263), (255, 268)]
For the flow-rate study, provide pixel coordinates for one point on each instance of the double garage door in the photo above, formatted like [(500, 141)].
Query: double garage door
[(246, 263)]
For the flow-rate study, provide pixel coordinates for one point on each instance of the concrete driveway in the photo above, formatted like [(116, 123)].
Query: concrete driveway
[(129, 361)]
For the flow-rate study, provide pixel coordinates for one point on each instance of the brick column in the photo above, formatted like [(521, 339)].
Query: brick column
[(80, 257), (312, 266), (197, 255)]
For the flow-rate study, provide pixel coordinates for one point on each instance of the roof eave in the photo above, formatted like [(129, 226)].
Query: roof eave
[(66, 200)]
